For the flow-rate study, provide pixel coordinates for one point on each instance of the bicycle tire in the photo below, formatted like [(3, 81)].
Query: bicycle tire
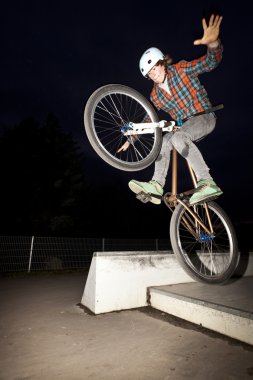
[(209, 259), (107, 111)]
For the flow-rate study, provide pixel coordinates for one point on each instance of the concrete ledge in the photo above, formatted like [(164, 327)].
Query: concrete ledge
[(232, 322), (119, 280)]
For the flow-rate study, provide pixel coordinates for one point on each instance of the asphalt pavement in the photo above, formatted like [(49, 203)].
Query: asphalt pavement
[(46, 333)]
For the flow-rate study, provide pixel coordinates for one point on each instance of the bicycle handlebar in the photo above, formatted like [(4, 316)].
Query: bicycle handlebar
[(167, 126)]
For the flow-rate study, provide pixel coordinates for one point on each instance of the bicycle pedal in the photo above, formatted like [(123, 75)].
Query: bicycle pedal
[(143, 197)]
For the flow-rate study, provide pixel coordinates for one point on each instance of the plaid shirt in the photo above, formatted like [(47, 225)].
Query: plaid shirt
[(188, 96)]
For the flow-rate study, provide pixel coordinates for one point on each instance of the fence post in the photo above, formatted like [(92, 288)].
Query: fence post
[(31, 253), (156, 244), (103, 245)]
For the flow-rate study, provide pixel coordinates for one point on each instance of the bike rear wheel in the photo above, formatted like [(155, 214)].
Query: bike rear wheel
[(106, 116), (210, 258)]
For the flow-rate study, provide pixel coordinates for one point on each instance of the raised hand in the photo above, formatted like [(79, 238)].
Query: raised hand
[(211, 31)]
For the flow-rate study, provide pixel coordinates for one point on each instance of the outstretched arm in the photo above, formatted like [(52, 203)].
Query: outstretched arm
[(211, 32)]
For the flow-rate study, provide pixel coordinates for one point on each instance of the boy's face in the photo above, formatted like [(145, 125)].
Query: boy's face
[(157, 73)]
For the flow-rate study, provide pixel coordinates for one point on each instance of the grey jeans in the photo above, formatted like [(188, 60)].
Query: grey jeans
[(192, 130)]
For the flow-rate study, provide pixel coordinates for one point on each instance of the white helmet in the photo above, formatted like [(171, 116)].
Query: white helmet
[(149, 58)]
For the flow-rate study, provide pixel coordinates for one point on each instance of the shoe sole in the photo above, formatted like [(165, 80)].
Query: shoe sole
[(138, 189), (208, 198)]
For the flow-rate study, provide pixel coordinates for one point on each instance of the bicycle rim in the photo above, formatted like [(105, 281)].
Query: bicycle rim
[(106, 117), (206, 257)]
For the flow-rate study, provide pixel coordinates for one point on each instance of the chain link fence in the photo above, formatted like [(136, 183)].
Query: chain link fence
[(32, 253)]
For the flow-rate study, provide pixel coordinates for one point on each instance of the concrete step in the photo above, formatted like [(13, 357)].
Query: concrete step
[(119, 280), (226, 309)]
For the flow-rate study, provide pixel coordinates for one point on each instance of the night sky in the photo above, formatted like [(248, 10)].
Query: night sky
[(54, 54)]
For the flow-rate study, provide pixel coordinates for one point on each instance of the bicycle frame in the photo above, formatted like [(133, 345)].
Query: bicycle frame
[(173, 198)]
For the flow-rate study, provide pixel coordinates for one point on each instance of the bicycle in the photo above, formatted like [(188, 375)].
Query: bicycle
[(202, 236)]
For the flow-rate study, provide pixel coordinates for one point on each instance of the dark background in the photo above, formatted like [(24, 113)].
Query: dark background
[(54, 54)]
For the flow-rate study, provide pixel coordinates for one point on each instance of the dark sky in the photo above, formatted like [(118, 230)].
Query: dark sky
[(54, 54)]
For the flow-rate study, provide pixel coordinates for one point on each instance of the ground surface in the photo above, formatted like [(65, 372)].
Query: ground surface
[(46, 334)]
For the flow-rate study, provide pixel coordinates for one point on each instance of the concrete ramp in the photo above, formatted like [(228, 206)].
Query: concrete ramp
[(226, 309), (119, 280), (127, 280)]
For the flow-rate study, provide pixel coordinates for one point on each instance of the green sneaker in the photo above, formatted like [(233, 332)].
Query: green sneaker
[(151, 188), (206, 189)]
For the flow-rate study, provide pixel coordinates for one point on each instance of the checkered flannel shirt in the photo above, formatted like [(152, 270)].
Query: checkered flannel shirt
[(188, 96)]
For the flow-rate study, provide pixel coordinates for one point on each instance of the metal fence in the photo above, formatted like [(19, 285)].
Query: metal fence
[(32, 253)]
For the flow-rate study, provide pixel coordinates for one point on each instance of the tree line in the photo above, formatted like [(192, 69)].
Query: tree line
[(43, 184)]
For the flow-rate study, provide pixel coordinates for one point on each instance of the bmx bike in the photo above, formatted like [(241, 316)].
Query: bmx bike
[(202, 236)]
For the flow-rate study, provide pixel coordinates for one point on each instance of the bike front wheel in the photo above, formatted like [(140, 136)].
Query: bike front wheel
[(107, 114), (207, 257)]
